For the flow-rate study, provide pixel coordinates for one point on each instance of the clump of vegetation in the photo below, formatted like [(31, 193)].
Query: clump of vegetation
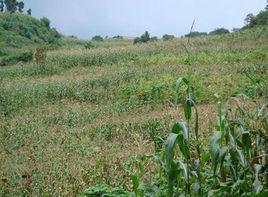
[(89, 45), (101, 118), (261, 19), (233, 163), (97, 38), (219, 31), (105, 190), (23, 57), (167, 37), (195, 34), (144, 38), (118, 37)]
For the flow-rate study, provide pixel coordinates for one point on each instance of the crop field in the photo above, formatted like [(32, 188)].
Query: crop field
[(96, 116)]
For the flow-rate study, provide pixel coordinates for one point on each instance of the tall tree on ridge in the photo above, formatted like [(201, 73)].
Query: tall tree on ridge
[(29, 12), (11, 5), (1, 6), (20, 6)]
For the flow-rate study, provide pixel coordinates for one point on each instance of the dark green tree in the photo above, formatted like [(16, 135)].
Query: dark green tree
[(29, 12), (219, 31), (1, 6), (20, 6), (195, 34), (46, 22), (137, 40), (145, 37), (98, 38), (168, 37), (11, 5)]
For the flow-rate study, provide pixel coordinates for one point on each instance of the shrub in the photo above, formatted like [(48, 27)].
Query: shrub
[(46, 22), (219, 31), (167, 37), (15, 58), (260, 19), (144, 38), (154, 38), (98, 38), (195, 34), (118, 37), (89, 45)]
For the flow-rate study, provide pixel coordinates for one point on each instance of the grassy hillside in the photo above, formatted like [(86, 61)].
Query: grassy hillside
[(90, 116), (20, 33)]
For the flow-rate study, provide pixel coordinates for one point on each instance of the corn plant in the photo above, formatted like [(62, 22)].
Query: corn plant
[(237, 159), (185, 170)]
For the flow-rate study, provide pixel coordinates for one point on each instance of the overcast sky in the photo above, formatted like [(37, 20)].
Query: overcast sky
[(86, 18)]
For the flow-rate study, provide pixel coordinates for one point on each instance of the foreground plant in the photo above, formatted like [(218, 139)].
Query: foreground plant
[(233, 163)]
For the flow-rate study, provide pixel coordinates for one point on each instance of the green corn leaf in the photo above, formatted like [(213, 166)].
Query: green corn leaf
[(188, 109), (258, 187), (184, 148), (242, 159), (183, 166), (215, 143), (246, 141), (185, 129), (176, 128), (136, 184), (178, 83), (222, 154), (170, 148)]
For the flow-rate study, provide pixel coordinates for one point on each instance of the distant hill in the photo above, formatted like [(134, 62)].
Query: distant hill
[(20, 33), (19, 30)]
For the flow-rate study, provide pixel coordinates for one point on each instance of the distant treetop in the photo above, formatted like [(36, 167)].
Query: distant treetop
[(260, 19), (168, 37), (219, 31), (12, 6), (195, 34), (98, 38)]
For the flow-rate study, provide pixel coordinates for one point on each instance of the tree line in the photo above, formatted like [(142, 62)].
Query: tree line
[(13, 6)]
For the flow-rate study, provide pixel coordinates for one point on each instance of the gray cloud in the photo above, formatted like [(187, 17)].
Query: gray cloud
[(86, 18)]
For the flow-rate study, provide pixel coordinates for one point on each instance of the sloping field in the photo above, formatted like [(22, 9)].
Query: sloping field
[(88, 116)]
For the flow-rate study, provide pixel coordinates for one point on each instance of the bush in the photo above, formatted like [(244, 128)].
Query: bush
[(219, 31), (167, 37), (19, 57), (144, 38), (195, 34), (89, 45), (98, 38), (118, 37), (260, 19), (21, 31), (46, 22), (154, 38), (137, 40)]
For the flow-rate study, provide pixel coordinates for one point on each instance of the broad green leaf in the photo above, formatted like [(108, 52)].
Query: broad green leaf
[(136, 183), (188, 109), (258, 187), (176, 128), (183, 146), (222, 154), (242, 159), (183, 166), (246, 141), (239, 185), (214, 143), (257, 183), (185, 129), (178, 83), (170, 148)]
